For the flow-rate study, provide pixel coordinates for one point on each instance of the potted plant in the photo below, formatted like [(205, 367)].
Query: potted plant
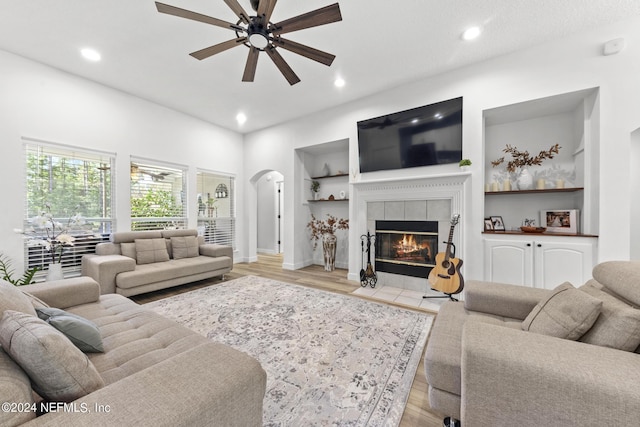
[(325, 230), (46, 231), (6, 272), (464, 164), (315, 186)]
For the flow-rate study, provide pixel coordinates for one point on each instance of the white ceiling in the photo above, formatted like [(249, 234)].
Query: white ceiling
[(379, 44)]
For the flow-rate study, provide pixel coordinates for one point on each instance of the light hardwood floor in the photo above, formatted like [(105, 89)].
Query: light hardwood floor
[(417, 411)]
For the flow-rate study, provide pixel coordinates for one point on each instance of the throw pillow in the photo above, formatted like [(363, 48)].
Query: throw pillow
[(618, 326), (128, 250), (12, 298), (564, 313), (185, 247), (58, 370), (151, 250), (82, 332)]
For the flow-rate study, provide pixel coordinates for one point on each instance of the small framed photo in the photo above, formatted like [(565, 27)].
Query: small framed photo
[(560, 220), (497, 223), (488, 225)]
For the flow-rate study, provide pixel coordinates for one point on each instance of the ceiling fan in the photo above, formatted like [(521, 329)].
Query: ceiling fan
[(136, 170), (259, 34)]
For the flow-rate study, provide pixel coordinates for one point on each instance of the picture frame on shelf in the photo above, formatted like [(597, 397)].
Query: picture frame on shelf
[(497, 223), (560, 220), (488, 225)]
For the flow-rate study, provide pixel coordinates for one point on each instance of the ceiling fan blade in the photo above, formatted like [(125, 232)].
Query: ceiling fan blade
[(238, 10), (220, 47), (322, 16), (282, 65), (265, 8), (306, 51), (183, 13), (250, 67)]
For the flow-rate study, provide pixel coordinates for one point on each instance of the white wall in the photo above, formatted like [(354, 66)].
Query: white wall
[(634, 194), (40, 102), (567, 65)]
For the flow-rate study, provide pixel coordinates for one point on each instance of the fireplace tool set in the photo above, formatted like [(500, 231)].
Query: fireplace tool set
[(367, 276)]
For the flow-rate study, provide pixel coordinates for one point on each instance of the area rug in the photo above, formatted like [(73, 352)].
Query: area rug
[(331, 359)]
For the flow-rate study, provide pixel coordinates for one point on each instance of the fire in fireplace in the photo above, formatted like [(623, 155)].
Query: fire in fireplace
[(406, 247)]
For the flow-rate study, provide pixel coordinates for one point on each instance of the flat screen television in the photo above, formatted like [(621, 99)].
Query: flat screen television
[(423, 136)]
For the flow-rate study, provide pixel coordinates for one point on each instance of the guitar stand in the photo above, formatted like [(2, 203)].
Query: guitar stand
[(446, 295), (450, 296)]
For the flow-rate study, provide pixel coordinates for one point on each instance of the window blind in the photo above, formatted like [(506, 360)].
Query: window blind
[(157, 195), (69, 191), (216, 208)]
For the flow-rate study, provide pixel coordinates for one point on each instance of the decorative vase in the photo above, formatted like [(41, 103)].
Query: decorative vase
[(54, 272), (525, 180), (329, 250), (325, 170)]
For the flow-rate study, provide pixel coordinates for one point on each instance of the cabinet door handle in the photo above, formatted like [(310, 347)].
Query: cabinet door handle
[(529, 245), (539, 245)]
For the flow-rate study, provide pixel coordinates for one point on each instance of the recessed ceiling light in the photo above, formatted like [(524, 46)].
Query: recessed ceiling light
[(471, 33), (339, 82), (241, 118), (91, 54)]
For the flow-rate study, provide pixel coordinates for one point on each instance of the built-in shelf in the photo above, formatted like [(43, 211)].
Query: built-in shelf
[(330, 176), (547, 190), (327, 200), (522, 233)]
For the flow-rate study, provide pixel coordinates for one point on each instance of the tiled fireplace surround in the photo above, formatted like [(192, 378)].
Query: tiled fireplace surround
[(435, 198)]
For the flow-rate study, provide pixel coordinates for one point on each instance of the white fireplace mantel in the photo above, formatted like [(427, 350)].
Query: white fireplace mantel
[(453, 187)]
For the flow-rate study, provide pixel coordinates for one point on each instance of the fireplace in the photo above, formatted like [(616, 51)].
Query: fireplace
[(406, 247)]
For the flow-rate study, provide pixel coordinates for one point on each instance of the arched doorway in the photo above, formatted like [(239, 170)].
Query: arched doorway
[(267, 201)]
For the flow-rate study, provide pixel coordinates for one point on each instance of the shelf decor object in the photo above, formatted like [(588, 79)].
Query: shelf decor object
[(497, 223), (520, 160), (560, 220)]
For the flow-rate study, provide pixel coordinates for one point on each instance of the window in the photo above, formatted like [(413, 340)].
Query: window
[(216, 208), (157, 195), (67, 183)]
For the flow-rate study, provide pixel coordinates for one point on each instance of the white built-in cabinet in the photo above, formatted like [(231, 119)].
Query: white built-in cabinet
[(540, 261), (543, 260)]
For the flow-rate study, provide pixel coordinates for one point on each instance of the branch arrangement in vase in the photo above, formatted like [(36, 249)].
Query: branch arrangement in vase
[(523, 158), (319, 227)]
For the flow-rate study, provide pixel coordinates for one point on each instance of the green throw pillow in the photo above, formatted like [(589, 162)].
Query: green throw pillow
[(83, 333)]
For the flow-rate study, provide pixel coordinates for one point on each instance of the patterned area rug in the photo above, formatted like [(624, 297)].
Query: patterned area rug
[(331, 359)]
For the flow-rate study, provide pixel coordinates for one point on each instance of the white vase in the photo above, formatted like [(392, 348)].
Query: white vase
[(54, 272), (525, 180)]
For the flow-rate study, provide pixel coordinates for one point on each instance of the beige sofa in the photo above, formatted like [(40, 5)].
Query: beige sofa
[(137, 262), (153, 371), (485, 370)]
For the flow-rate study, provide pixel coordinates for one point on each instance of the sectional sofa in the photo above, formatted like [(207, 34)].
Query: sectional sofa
[(150, 372), (137, 262)]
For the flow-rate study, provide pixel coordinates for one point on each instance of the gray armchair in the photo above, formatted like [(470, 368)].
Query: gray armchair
[(485, 370)]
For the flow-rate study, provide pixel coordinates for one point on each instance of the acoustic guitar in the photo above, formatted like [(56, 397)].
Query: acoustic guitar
[(445, 277)]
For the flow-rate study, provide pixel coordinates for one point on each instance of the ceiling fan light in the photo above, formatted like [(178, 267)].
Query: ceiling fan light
[(258, 40)]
